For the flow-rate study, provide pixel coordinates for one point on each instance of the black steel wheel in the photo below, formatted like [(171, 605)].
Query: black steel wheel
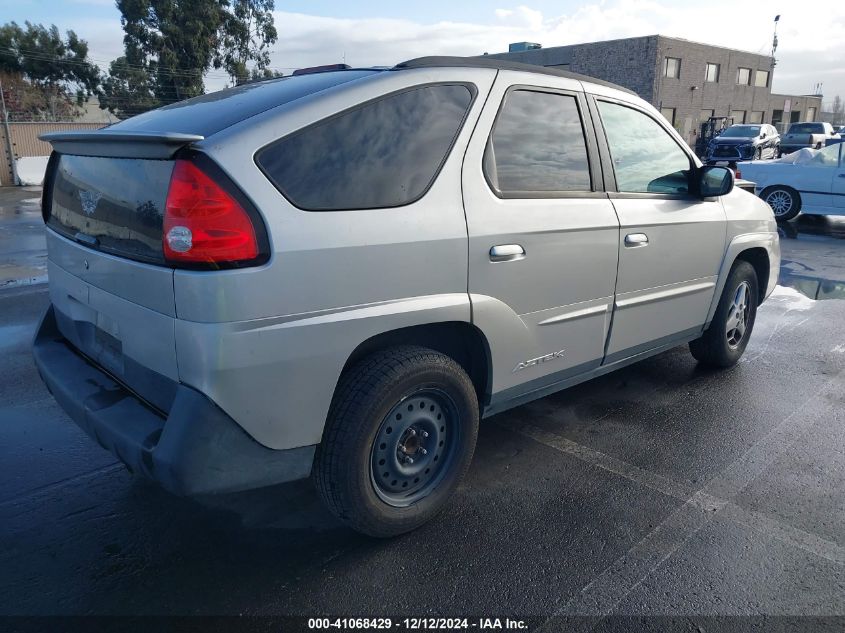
[(398, 441)]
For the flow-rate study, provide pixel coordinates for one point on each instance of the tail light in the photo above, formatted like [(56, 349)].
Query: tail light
[(737, 173), (204, 224)]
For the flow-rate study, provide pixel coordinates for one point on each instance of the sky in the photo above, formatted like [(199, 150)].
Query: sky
[(369, 32)]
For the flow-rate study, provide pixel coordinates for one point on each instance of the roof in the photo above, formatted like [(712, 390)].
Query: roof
[(502, 64)]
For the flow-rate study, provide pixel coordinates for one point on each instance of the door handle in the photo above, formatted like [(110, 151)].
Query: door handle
[(633, 240), (842, 175), (506, 253)]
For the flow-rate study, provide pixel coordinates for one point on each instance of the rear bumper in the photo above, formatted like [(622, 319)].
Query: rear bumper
[(195, 449)]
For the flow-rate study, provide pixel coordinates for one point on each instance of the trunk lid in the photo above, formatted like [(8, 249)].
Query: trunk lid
[(109, 284)]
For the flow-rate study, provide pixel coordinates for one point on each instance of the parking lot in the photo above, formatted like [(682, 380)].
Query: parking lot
[(658, 490)]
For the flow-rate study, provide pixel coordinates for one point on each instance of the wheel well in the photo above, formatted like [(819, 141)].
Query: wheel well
[(759, 259), (463, 342)]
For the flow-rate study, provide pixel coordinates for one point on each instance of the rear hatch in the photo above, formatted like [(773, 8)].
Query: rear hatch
[(110, 286)]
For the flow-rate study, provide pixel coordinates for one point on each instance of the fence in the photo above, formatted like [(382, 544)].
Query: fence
[(24, 142)]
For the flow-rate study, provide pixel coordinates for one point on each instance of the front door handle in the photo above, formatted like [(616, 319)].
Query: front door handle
[(506, 253), (633, 240), (842, 175)]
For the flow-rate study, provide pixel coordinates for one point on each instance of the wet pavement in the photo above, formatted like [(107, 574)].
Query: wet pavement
[(22, 247), (660, 489)]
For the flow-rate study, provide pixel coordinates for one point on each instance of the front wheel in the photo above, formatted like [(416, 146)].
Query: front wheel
[(399, 439), (784, 201), (724, 341)]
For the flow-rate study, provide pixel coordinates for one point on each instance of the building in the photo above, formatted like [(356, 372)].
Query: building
[(687, 81)]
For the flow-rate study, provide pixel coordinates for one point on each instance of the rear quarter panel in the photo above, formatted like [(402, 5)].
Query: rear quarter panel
[(268, 344)]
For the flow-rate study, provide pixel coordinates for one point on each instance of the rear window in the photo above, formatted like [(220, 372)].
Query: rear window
[(113, 204), (385, 153), (807, 128), (212, 112)]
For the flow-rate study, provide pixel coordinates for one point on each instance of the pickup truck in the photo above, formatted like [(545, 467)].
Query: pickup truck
[(801, 135)]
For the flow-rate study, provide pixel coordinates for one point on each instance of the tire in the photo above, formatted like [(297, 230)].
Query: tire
[(400, 403), (725, 340), (784, 201)]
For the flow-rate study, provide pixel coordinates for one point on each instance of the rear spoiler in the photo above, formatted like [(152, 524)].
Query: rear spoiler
[(120, 144)]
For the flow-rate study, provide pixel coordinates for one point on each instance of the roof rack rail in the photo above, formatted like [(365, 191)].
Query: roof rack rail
[(487, 61)]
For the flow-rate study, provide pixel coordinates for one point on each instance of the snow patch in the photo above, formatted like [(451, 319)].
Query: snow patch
[(31, 169), (794, 299)]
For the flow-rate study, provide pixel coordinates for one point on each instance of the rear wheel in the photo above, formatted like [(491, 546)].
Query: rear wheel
[(399, 439), (784, 201), (724, 341)]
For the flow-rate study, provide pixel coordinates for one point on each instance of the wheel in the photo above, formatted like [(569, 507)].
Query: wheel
[(399, 439), (784, 201), (724, 341)]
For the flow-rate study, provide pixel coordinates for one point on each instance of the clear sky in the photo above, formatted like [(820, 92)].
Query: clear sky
[(373, 32)]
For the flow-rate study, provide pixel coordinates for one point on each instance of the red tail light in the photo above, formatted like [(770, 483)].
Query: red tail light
[(203, 223), (737, 173)]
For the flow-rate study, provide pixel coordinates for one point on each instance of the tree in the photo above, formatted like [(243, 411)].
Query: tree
[(170, 44), (247, 34), (50, 74), (126, 90)]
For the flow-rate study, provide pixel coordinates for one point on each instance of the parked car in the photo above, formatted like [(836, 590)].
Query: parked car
[(801, 135), (339, 274), (744, 142), (811, 182)]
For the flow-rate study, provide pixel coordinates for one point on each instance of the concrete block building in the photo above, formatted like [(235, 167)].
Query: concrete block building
[(687, 81)]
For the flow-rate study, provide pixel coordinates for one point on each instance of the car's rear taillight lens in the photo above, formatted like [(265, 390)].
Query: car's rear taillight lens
[(737, 173), (203, 223)]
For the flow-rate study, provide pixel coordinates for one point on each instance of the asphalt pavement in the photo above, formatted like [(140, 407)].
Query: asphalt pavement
[(659, 490)]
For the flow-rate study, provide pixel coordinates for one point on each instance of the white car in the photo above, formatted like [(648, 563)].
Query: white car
[(807, 181)]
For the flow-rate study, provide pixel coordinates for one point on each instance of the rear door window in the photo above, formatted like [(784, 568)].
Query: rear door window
[(385, 153), (646, 159), (537, 145)]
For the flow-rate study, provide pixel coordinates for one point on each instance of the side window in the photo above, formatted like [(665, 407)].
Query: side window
[(537, 145), (385, 153), (645, 158)]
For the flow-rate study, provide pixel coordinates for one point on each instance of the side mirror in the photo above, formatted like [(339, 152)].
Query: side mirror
[(715, 181)]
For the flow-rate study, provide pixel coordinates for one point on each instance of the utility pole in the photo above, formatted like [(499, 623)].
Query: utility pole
[(8, 137), (775, 41)]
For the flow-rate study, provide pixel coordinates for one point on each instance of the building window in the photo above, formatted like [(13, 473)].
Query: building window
[(756, 116), (669, 115), (738, 116), (761, 78), (711, 73), (672, 68), (811, 114), (743, 76)]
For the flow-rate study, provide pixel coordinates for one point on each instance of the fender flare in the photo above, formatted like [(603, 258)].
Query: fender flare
[(765, 240)]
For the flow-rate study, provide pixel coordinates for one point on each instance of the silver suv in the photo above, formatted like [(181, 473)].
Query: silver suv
[(338, 274)]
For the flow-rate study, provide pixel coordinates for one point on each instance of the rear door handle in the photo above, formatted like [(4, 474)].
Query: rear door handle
[(506, 253), (633, 240), (842, 175)]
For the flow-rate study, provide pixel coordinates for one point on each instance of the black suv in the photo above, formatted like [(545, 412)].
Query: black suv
[(744, 142)]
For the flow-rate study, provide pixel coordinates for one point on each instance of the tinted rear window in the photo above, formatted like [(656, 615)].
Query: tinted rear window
[(113, 204), (384, 153), (215, 111)]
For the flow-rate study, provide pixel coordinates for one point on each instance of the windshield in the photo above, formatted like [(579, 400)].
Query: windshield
[(742, 131), (806, 128)]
